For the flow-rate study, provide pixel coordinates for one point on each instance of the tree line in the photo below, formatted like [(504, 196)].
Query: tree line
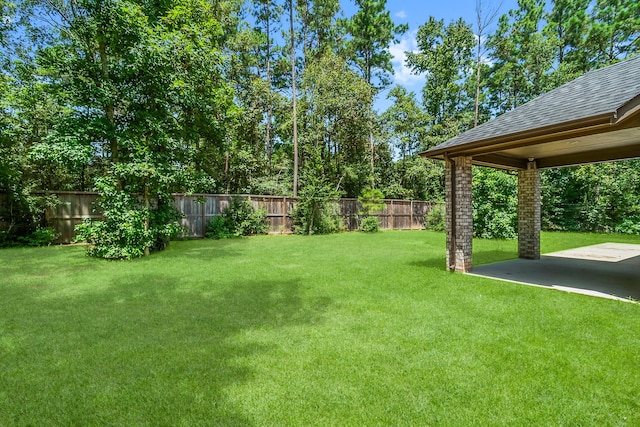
[(140, 99)]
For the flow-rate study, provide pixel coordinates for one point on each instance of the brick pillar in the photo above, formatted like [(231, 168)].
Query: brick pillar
[(459, 213), (529, 212)]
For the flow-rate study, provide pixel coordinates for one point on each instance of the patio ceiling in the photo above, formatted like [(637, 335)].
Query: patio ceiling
[(594, 118)]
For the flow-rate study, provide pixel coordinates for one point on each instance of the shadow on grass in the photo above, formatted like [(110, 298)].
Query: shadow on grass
[(145, 351), (481, 257), (64, 259), (205, 249), (438, 263)]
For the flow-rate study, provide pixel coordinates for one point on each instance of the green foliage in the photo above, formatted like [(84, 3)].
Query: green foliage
[(44, 236), (316, 211), (523, 57), (613, 31), (22, 217), (495, 204), (445, 56), (372, 201), (629, 226), (435, 219), (316, 218), (600, 198), (129, 228), (414, 178), (318, 29), (189, 96), (115, 239), (369, 224), (16, 218), (139, 90), (405, 122), (238, 219), (372, 31), (566, 28), (218, 228), (22, 214), (336, 123)]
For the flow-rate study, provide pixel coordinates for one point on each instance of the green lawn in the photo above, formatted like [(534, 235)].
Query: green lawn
[(341, 330)]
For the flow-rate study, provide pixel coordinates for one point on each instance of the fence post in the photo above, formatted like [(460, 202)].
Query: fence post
[(411, 224), (284, 215), (203, 214), (391, 224)]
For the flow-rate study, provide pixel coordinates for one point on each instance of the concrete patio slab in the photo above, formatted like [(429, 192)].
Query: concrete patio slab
[(609, 270), (611, 252)]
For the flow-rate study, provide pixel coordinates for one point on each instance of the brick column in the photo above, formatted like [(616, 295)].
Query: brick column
[(529, 212), (459, 213)]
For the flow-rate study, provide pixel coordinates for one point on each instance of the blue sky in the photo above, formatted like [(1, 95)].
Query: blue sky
[(417, 12)]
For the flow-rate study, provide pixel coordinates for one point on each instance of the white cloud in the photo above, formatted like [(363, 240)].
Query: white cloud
[(483, 58), (402, 14), (403, 75)]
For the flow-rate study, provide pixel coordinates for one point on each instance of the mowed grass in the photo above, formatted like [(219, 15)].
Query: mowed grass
[(341, 330)]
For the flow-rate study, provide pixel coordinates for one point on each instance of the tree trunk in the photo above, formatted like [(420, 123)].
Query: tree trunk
[(146, 218), (371, 147), (109, 108), (269, 106), (295, 107), (313, 214), (477, 103)]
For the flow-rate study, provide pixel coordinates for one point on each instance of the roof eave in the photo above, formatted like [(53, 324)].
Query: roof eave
[(629, 109), (524, 138)]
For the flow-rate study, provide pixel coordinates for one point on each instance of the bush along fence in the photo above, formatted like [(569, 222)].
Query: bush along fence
[(198, 209)]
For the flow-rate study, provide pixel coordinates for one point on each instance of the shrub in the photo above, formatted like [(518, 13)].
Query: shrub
[(495, 204), (128, 229), (257, 223), (316, 211), (501, 226), (323, 219), (218, 229), (238, 219), (331, 220), (435, 218), (115, 239), (40, 237), (369, 225), (22, 218), (629, 226), (371, 201)]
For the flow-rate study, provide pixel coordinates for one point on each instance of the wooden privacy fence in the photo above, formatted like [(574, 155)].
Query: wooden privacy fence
[(198, 209)]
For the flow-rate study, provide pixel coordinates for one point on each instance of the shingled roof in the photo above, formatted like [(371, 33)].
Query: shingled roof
[(602, 101)]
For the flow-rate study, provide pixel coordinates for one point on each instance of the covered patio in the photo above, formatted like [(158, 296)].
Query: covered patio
[(608, 270), (594, 118)]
